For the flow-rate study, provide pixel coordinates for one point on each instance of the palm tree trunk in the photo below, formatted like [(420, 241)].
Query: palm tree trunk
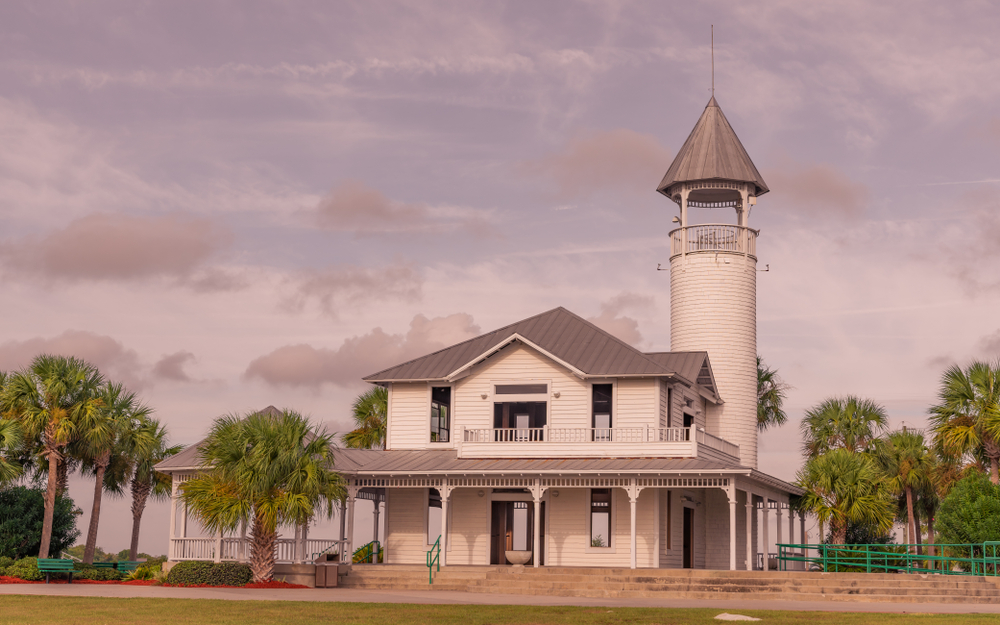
[(62, 479), (909, 514), (140, 492), (995, 470), (262, 542), (50, 502), (95, 512), (931, 551)]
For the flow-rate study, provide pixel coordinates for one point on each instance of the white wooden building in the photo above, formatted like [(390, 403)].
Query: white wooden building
[(551, 441)]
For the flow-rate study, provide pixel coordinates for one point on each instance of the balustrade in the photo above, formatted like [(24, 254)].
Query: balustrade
[(713, 238)]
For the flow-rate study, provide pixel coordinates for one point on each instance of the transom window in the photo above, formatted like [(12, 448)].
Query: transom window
[(521, 389), (440, 414)]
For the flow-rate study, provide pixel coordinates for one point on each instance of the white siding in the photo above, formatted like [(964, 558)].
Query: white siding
[(469, 529), (406, 534), (409, 422), (638, 403)]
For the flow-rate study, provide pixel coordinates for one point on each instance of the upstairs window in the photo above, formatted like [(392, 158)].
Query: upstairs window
[(600, 517), (440, 414), (601, 411)]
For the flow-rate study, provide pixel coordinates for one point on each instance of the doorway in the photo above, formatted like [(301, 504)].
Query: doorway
[(512, 528), (689, 538)]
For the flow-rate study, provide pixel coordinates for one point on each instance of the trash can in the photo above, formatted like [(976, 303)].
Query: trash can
[(327, 568)]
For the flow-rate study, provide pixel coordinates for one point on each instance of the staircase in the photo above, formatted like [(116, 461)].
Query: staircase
[(682, 584)]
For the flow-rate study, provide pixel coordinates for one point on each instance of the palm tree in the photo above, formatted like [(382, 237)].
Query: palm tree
[(116, 431), (849, 422), (55, 399), (771, 392), (907, 464), (844, 487), (967, 419), (10, 440), (369, 411), (147, 482), (267, 469)]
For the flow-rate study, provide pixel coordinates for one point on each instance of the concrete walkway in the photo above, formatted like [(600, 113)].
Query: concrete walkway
[(468, 598)]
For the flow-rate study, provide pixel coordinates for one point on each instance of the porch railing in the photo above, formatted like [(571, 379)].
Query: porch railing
[(713, 238), (238, 549), (718, 444), (981, 559), (579, 435)]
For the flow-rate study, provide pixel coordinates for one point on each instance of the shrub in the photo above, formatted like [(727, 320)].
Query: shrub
[(970, 513), (100, 575), (142, 572), (26, 569), (210, 573), (4, 563), (21, 513)]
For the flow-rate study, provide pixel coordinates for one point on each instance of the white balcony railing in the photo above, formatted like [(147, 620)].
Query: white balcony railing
[(713, 238), (585, 442)]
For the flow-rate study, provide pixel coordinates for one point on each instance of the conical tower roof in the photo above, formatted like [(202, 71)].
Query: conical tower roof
[(712, 152)]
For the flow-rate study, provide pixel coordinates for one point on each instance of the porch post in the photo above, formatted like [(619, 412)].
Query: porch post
[(184, 521), (445, 494), (305, 549), (791, 525), (766, 534), (777, 515), (349, 550), (633, 495), (656, 526), (343, 530), (173, 517), (749, 511), (802, 535), (375, 529), (537, 537), (218, 547), (732, 527)]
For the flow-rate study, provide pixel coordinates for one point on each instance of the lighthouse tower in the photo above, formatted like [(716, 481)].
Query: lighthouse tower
[(713, 271)]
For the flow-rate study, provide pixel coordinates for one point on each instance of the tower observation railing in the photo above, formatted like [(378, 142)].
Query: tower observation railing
[(714, 238)]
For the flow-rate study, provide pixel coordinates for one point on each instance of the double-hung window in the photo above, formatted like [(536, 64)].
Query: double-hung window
[(440, 414)]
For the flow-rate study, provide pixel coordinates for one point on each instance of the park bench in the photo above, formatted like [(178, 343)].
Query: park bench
[(127, 566), (56, 565), (103, 565)]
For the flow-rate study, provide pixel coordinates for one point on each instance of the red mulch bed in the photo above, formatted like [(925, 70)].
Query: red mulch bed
[(15, 580), (270, 584), (139, 582), (149, 582)]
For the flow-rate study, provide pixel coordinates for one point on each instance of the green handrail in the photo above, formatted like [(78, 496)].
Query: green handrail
[(368, 552), (435, 560), (981, 559)]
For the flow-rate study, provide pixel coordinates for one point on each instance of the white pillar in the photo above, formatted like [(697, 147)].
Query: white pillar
[(632, 496), (445, 494), (537, 536), (749, 511), (791, 526), (343, 529), (778, 515), (306, 556), (184, 521), (802, 535), (349, 545), (766, 533), (657, 528), (218, 547), (732, 529), (375, 529), (173, 518)]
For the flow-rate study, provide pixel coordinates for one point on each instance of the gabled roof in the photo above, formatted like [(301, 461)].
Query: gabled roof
[(576, 343), (712, 152)]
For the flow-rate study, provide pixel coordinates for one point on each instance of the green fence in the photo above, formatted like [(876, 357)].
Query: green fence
[(945, 559)]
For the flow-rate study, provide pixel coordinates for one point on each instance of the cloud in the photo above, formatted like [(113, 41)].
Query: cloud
[(105, 246), (303, 365), (355, 207), (990, 345), (110, 356), (335, 287), (616, 160), (612, 321), (171, 367), (819, 189)]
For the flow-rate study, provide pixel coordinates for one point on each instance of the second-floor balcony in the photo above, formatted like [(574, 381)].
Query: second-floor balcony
[(627, 442)]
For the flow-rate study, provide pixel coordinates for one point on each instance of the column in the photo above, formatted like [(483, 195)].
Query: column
[(375, 529), (749, 511), (218, 547), (173, 518), (632, 497), (445, 495), (765, 531), (658, 528), (802, 535), (343, 526), (537, 536), (349, 545), (791, 526), (732, 528), (306, 556), (777, 514)]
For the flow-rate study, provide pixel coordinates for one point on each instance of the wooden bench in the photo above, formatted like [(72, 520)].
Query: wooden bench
[(127, 566), (55, 565), (103, 565)]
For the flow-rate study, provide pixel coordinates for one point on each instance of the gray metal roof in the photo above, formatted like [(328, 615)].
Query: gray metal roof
[(186, 459), (566, 336), (712, 152)]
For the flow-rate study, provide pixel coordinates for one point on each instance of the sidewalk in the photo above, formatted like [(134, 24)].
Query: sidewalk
[(467, 598)]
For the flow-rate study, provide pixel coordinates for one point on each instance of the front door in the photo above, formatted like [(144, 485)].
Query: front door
[(688, 538), (512, 529)]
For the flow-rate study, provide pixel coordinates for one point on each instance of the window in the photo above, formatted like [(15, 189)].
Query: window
[(519, 420), (440, 414), (688, 419), (521, 389), (601, 421), (600, 517), (433, 515), (670, 402)]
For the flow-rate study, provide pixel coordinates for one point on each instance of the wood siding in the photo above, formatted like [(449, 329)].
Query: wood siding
[(406, 534)]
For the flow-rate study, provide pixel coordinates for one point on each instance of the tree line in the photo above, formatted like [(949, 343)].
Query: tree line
[(60, 415)]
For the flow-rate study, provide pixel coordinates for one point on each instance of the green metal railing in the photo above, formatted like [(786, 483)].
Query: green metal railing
[(943, 559), (367, 553), (436, 559)]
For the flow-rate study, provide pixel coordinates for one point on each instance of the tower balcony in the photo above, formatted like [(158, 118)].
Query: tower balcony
[(714, 238)]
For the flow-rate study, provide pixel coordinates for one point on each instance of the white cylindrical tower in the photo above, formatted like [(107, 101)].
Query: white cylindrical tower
[(713, 272)]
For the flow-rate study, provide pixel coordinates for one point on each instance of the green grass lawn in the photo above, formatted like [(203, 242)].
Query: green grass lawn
[(100, 611)]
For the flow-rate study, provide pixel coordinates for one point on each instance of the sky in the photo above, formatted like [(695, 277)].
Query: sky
[(229, 205)]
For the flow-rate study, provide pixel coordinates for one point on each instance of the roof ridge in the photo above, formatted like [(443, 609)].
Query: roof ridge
[(615, 338), (475, 338)]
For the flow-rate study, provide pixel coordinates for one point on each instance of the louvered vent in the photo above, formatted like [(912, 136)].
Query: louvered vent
[(705, 377)]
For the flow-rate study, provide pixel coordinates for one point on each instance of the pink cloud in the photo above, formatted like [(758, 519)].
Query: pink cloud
[(112, 358), (171, 367), (617, 160), (303, 365), (350, 285), (105, 246), (819, 189), (612, 321)]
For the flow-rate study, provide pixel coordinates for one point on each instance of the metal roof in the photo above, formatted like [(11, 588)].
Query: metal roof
[(712, 152), (558, 332)]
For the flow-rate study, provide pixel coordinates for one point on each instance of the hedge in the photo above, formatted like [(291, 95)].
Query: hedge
[(26, 569), (210, 574)]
